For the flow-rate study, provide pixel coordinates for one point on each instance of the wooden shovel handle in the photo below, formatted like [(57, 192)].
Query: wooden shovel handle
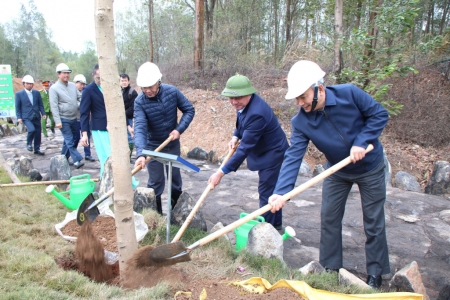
[(62, 181), (202, 198), (138, 168), (268, 207)]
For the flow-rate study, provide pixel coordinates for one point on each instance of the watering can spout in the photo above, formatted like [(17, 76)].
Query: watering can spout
[(51, 190)]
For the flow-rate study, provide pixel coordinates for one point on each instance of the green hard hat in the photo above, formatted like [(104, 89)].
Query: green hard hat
[(238, 86)]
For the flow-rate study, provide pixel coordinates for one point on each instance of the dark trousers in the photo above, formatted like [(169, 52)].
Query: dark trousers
[(336, 188), (267, 181), (70, 132), (156, 179), (34, 132)]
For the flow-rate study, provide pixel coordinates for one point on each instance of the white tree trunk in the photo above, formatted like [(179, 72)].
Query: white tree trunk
[(115, 111)]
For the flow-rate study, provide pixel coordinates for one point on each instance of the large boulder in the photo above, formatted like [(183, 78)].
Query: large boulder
[(198, 153), (439, 183), (35, 175), (406, 182), (6, 130), (304, 170), (264, 240), (182, 210), (60, 169), (144, 198), (21, 166), (409, 279)]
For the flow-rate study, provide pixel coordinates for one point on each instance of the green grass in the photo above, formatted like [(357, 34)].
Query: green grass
[(29, 245)]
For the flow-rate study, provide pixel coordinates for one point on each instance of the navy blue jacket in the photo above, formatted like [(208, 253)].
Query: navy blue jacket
[(351, 117), (93, 105), (155, 118), (24, 109), (263, 141)]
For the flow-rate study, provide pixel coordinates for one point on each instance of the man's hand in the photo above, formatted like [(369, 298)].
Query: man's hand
[(215, 178), (131, 131), (232, 143), (175, 134), (140, 162), (276, 202), (357, 153), (44, 117), (84, 140), (19, 121), (58, 125)]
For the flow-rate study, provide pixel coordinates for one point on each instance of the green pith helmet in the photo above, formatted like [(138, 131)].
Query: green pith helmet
[(238, 86)]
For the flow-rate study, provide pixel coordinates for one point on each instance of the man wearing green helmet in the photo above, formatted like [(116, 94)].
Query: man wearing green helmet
[(341, 121), (262, 141)]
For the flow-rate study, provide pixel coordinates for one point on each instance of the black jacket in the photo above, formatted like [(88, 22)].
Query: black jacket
[(128, 100)]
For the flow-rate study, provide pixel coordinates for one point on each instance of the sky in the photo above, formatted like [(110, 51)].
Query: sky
[(71, 21)]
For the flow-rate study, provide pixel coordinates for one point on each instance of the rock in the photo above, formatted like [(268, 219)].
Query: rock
[(305, 170), (317, 170), (219, 226), (21, 128), (6, 130), (406, 182), (409, 279), (387, 170), (444, 294), (445, 215), (347, 278), (198, 153), (10, 120), (35, 175), (184, 151), (439, 182), (20, 166), (14, 131), (264, 240), (144, 198), (2, 133), (182, 210), (46, 177), (60, 169), (213, 157), (107, 181), (313, 267)]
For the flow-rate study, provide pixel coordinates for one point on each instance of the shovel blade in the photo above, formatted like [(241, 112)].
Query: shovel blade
[(90, 215), (169, 254)]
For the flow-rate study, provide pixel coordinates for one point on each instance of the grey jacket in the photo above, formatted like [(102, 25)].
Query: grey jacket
[(64, 101)]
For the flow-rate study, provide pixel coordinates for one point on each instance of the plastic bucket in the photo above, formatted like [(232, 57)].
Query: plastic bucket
[(243, 230)]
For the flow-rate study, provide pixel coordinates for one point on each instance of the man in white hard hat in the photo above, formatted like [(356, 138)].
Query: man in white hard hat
[(64, 102), (263, 141), (80, 83), (155, 118), (29, 109), (341, 121)]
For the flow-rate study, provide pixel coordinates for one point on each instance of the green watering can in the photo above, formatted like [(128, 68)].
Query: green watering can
[(81, 186)]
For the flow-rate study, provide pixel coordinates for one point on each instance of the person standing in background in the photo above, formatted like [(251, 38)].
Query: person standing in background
[(129, 95), (48, 112), (80, 83)]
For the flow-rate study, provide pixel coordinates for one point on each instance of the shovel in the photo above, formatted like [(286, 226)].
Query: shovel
[(202, 198), (170, 254), (81, 217)]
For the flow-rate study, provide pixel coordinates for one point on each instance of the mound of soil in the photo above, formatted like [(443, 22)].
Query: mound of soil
[(103, 228)]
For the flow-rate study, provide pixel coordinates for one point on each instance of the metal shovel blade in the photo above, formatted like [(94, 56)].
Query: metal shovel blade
[(83, 215), (169, 254)]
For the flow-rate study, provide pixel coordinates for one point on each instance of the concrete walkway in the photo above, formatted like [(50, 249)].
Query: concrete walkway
[(416, 228)]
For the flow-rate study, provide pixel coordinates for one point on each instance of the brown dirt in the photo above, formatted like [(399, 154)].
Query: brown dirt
[(91, 255), (103, 228)]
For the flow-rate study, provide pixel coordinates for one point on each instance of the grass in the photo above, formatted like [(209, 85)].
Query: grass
[(29, 245)]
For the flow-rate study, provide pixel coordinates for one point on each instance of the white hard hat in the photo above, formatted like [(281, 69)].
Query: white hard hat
[(63, 68), (80, 78), (28, 79), (302, 75), (148, 75)]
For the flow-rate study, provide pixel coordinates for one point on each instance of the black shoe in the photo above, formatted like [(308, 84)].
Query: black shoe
[(89, 158), (39, 152), (53, 131), (78, 164), (29, 148), (374, 281), (70, 162), (158, 205)]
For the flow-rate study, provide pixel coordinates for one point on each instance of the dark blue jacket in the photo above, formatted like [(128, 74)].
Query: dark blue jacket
[(155, 118), (263, 141), (24, 109), (92, 105), (351, 117)]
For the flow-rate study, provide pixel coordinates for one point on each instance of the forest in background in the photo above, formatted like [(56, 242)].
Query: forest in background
[(200, 44)]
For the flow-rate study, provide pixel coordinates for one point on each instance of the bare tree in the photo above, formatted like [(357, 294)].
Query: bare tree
[(115, 111), (150, 27), (199, 34), (209, 16), (338, 8)]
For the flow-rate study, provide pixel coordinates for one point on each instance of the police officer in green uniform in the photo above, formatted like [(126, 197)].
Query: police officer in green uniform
[(48, 112)]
